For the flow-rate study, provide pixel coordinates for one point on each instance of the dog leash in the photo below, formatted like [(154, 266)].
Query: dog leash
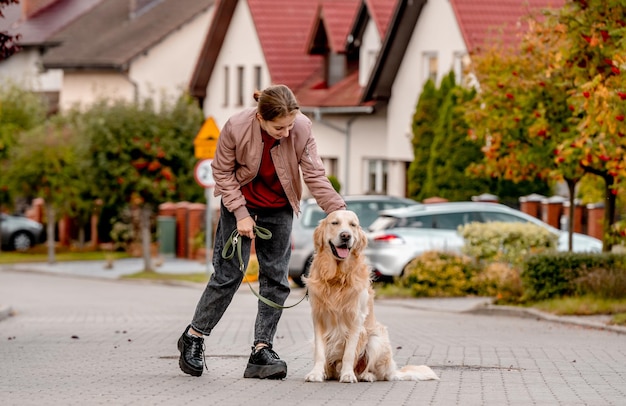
[(234, 244)]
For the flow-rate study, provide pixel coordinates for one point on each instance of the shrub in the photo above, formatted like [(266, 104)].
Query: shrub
[(437, 274), (499, 280), (547, 276), (506, 242)]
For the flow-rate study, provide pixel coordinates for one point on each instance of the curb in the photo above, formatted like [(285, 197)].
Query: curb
[(512, 311)]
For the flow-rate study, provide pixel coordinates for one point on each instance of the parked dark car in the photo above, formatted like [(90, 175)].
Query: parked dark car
[(19, 233), (366, 207)]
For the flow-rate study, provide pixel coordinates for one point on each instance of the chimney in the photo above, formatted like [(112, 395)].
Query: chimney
[(32, 7)]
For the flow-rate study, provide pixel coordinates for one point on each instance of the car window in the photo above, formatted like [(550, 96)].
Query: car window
[(488, 216), (311, 216), (383, 223), (366, 211), (452, 221)]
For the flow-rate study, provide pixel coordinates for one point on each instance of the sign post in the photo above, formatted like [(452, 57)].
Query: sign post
[(204, 176), (205, 145)]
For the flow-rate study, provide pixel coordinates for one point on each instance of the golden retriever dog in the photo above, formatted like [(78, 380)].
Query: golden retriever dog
[(350, 345)]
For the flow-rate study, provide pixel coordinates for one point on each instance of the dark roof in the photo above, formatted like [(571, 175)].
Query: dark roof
[(40, 27), (393, 49), (109, 37)]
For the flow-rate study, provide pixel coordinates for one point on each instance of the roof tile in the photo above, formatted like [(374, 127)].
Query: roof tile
[(485, 21)]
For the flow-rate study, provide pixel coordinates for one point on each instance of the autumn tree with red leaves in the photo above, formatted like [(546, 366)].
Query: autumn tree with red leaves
[(554, 106)]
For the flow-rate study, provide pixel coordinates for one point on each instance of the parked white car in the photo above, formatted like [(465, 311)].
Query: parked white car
[(400, 235), (366, 207)]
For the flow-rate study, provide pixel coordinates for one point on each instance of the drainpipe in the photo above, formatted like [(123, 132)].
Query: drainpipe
[(355, 113)]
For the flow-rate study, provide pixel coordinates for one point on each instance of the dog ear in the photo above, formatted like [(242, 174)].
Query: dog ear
[(361, 239), (318, 235)]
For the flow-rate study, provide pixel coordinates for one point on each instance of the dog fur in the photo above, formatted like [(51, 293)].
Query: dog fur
[(349, 344)]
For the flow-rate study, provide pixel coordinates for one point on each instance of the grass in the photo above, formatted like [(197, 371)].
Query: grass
[(586, 306), (157, 276), (40, 254)]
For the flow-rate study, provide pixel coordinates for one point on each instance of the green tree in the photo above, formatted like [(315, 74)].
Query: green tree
[(140, 153), (20, 110), (451, 152), (50, 162), (426, 113)]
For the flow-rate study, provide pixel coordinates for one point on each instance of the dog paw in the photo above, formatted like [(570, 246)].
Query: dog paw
[(314, 376), (368, 377), (348, 377)]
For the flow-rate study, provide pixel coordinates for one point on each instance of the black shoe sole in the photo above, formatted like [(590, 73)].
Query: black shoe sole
[(186, 368), (265, 371)]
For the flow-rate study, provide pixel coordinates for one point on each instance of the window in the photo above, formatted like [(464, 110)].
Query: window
[(226, 87), (330, 166), (430, 66), (377, 175), (461, 64), (502, 217), (257, 78), (240, 85)]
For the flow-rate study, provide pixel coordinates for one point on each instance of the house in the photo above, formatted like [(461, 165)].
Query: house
[(357, 68), (130, 49), (36, 21)]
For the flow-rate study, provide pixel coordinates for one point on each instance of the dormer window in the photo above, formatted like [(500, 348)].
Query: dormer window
[(339, 59)]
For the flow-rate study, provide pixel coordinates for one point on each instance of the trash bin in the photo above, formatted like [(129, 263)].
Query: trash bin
[(166, 232)]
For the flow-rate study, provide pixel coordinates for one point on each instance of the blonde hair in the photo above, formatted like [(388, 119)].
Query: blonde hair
[(275, 102)]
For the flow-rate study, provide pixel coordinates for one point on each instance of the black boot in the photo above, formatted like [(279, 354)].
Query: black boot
[(265, 364), (191, 349)]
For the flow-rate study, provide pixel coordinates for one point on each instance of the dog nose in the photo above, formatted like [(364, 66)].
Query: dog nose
[(345, 236)]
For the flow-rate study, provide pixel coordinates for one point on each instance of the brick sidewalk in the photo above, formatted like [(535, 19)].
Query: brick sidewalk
[(94, 341)]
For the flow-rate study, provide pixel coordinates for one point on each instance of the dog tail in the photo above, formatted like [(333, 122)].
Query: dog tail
[(415, 373)]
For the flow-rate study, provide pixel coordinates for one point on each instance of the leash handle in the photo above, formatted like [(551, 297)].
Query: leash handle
[(234, 245)]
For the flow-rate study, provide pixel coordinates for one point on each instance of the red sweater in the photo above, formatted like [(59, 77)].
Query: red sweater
[(265, 190)]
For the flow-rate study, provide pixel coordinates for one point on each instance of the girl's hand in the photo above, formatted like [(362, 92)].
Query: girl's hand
[(245, 227)]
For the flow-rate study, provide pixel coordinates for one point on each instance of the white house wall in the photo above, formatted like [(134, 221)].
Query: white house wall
[(165, 69), (83, 88), (368, 52), (436, 31), (24, 69), (241, 47)]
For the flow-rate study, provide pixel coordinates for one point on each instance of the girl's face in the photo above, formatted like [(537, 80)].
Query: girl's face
[(279, 127)]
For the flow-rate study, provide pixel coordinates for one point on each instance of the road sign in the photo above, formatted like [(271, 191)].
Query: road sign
[(204, 173), (205, 142)]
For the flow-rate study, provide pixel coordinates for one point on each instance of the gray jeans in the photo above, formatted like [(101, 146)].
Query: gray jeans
[(273, 256)]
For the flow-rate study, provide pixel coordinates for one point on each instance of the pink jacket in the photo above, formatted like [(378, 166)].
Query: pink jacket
[(238, 157)]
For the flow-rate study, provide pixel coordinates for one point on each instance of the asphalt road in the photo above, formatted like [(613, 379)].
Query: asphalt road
[(88, 341)]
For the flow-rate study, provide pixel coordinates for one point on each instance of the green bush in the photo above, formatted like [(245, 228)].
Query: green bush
[(506, 242), (548, 276), (438, 274)]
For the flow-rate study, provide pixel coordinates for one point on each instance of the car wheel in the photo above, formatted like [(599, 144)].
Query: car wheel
[(21, 241), (299, 280)]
